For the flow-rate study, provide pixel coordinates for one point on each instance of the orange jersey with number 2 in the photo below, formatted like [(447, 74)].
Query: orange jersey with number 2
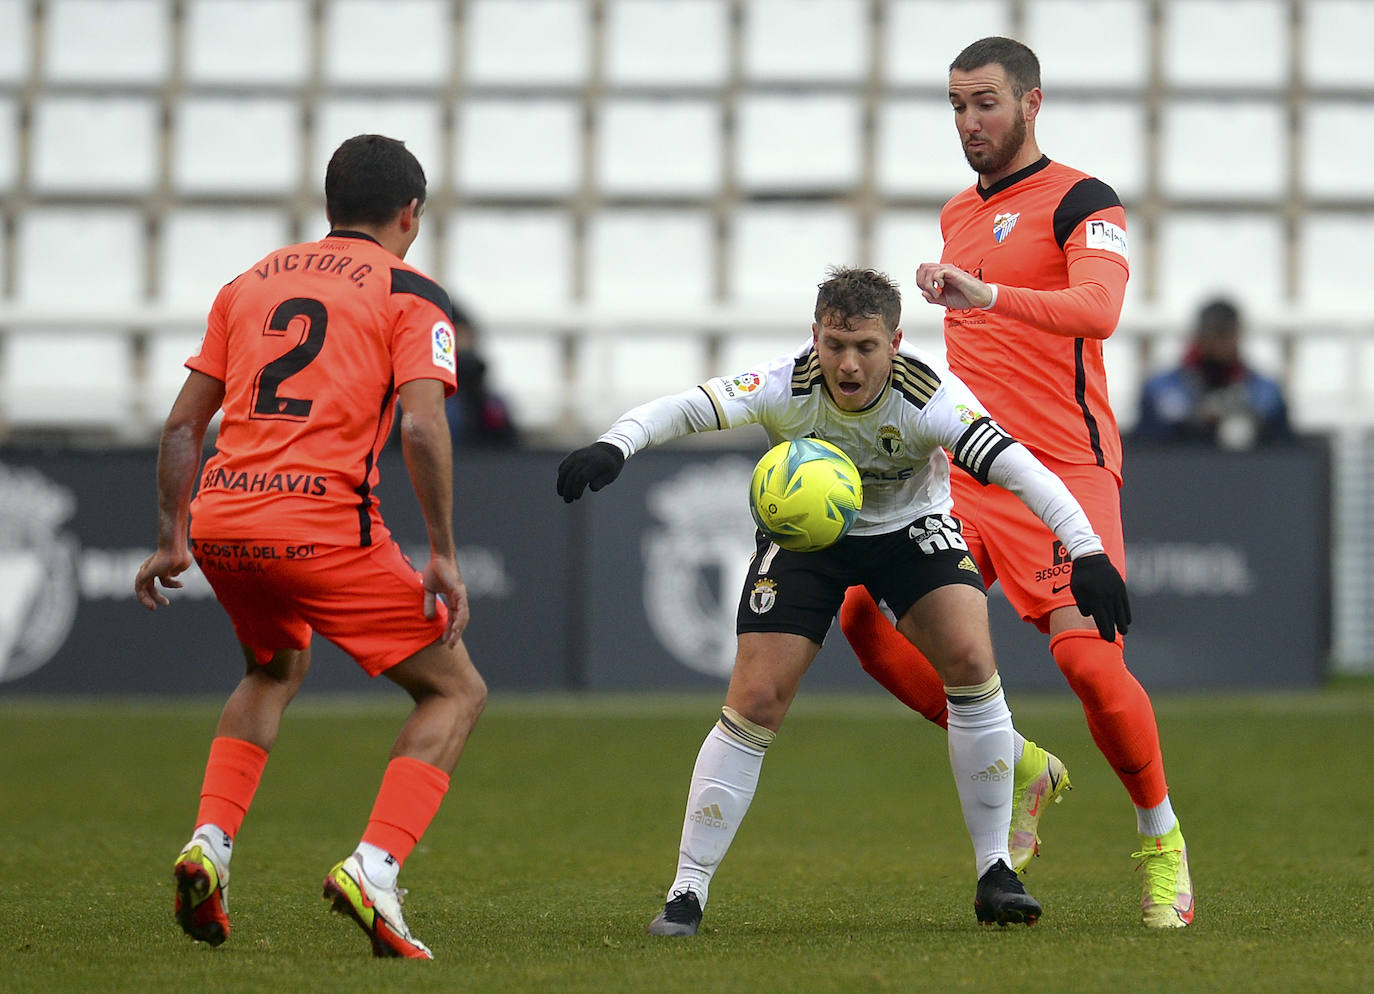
[(312, 344)]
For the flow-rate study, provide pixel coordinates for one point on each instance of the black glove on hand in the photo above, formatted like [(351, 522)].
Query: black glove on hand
[(1100, 594), (593, 465)]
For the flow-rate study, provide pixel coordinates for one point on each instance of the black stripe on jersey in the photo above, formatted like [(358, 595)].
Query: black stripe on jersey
[(979, 446), (405, 281), (1080, 393), (806, 373), (715, 407), (914, 380), (1084, 199), (364, 489)]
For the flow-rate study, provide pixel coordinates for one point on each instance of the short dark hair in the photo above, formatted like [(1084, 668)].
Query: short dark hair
[(369, 179), (1017, 60), (1218, 316), (850, 294)]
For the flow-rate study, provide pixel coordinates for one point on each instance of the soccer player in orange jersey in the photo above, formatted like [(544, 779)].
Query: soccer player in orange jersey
[(306, 354), (1032, 277)]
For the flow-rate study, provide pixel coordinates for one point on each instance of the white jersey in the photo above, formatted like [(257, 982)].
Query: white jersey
[(898, 442)]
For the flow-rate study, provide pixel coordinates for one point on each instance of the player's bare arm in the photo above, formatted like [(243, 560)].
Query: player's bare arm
[(428, 451), (178, 459)]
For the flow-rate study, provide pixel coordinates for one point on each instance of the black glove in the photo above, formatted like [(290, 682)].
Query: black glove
[(594, 465), (1100, 594)]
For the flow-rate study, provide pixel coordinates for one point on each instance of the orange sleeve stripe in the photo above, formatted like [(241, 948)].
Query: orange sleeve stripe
[(1089, 307)]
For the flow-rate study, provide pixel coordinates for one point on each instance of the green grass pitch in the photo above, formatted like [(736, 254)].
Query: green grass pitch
[(559, 836)]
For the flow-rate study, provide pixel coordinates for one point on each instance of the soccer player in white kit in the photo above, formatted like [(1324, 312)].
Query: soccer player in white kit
[(894, 415)]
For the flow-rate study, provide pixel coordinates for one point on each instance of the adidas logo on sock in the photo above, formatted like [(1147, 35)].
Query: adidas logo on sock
[(711, 816), (997, 771)]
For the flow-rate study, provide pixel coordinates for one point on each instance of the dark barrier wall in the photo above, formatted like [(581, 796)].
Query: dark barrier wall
[(635, 588)]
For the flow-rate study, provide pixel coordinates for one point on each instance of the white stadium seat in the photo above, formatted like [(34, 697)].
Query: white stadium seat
[(527, 42), (1092, 43), (658, 147), (1191, 131), (387, 42), (778, 254), (87, 260), (918, 151), (1203, 253), (245, 145), (1193, 56), (15, 48), (801, 142), (165, 366), (518, 147), (680, 43), (1336, 144), (676, 275), (617, 372), (920, 38), (510, 262), (266, 41), (1334, 49), (1333, 263), (67, 378), (80, 38), (805, 41), (203, 248), (86, 144), (526, 368)]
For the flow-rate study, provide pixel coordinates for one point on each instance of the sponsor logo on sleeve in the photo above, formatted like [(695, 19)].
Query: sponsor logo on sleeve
[(441, 336), (1111, 237)]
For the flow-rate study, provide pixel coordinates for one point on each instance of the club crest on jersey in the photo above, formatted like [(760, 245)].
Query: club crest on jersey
[(763, 596), (442, 338), (890, 438), (1002, 225)]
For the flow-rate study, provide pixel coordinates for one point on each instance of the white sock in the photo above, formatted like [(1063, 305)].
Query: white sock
[(221, 846), (980, 756), (1155, 821), (723, 783), (379, 865), (1018, 746)]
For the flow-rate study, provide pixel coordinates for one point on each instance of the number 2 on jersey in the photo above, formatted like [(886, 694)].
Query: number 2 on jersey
[(268, 402)]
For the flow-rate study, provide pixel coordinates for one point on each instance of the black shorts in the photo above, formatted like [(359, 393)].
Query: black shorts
[(800, 592)]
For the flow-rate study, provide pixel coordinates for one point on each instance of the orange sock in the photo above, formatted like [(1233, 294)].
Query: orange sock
[(407, 802), (889, 658), (231, 779), (1120, 717)]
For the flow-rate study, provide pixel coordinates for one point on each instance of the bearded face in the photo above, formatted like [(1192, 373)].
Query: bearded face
[(990, 154)]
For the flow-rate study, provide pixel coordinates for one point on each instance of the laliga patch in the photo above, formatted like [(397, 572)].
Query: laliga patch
[(968, 415), (741, 385), (1105, 235), (1002, 225), (441, 336)]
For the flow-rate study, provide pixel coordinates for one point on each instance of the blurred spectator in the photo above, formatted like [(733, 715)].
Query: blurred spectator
[(476, 415), (1213, 396)]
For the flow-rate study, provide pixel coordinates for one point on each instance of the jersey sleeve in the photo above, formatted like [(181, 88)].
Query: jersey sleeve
[(423, 343), (662, 420), (212, 358), (1090, 229)]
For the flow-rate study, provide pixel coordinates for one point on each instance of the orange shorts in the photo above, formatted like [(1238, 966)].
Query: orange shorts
[(1011, 544), (368, 601)]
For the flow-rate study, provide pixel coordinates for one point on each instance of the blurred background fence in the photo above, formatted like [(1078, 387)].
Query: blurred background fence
[(631, 195)]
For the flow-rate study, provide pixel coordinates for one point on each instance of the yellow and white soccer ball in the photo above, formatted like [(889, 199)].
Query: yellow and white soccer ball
[(805, 494)]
